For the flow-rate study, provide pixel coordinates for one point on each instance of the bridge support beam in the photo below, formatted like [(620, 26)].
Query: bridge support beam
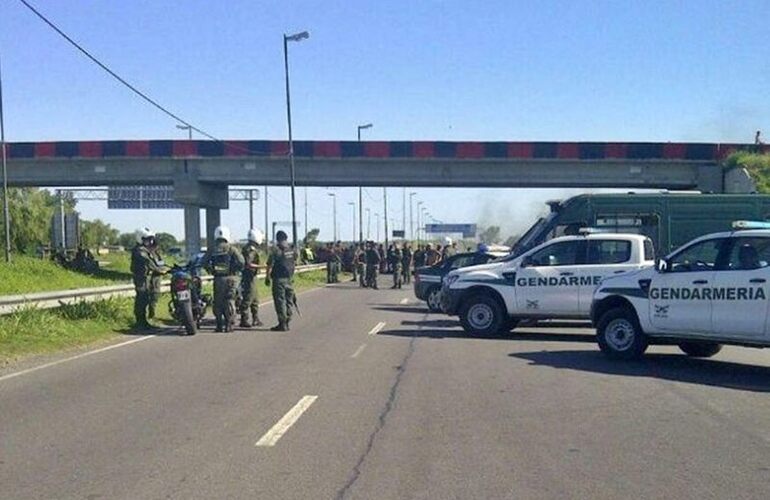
[(192, 229), (213, 219)]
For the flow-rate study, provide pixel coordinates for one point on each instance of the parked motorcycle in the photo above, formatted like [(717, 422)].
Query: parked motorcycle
[(188, 304)]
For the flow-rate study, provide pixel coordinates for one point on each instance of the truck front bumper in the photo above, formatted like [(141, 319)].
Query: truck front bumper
[(450, 300)]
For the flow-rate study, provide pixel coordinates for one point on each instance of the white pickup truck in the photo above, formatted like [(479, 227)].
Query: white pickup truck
[(554, 280), (712, 291)]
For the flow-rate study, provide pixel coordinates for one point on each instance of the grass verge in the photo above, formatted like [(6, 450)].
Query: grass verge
[(32, 331), (29, 274)]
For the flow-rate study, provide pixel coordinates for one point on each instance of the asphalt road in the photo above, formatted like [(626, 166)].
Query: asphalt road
[(415, 410)]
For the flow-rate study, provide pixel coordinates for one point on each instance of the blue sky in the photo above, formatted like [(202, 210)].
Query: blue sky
[(452, 70)]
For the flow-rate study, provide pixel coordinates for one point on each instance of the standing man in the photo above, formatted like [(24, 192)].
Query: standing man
[(419, 257), (336, 262), (225, 262), (280, 275), (249, 295), (372, 265), (396, 265), (361, 265), (142, 268), (406, 263), (329, 258)]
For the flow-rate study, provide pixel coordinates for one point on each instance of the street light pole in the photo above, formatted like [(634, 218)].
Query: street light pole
[(377, 219), (267, 220), (297, 37), (6, 214), (334, 213), (251, 208), (307, 228), (385, 217), (188, 128), (360, 194), (353, 205), (419, 210), (411, 219)]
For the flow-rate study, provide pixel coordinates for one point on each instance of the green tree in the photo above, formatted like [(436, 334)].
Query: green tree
[(30, 211), (311, 237), (127, 240), (758, 166), (166, 241), (490, 235), (97, 233)]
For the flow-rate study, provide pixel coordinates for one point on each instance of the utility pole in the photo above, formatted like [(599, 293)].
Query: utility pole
[(403, 211), (307, 228), (297, 37), (411, 219), (385, 198), (360, 195), (267, 221), (6, 214), (377, 217), (251, 209), (334, 213)]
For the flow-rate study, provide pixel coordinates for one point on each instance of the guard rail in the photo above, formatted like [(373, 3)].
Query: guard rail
[(50, 300)]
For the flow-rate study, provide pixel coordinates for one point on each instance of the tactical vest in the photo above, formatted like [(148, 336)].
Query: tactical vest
[(221, 262), (282, 263)]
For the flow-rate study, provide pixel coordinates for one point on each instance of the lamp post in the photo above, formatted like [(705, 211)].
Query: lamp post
[(411, 220), (188, 128), (297, 37), (353, 206), (6, 216), (419, 210), (385, 216), (368, 223), (377, 221), (360, 194), (334, 213)]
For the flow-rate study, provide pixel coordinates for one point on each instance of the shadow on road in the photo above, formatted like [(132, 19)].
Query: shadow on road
[(674, 367), (404, 309), (439, 329)]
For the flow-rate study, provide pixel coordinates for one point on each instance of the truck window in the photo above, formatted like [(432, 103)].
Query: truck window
[(608, 251), (701, 256), (749, 253), (644, 224), (649, 250), (565, 253)]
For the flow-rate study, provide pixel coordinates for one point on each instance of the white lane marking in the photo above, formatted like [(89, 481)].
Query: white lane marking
[(359, 351), (404, 301), (273, 435), (73, 358), (379, 326), (115, 346)]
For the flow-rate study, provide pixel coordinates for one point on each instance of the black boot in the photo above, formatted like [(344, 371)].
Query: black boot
[(280, 327)]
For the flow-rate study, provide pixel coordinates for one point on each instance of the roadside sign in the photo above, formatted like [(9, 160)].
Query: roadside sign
[(467, 230), (398, 233), (141, 197)]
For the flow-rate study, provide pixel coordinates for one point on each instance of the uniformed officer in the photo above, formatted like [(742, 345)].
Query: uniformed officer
[(249, 297), (360, 263), (225, 262), (372, 265), (142, 268), (336, 262), (406, 263), (396, 265), (352, 255), (280, 275), (156, 276), (329, 258)]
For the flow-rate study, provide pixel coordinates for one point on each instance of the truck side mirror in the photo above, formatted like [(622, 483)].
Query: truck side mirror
[(661, 265)]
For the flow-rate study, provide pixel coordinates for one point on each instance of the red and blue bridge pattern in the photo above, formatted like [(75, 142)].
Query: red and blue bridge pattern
[(708, 152)]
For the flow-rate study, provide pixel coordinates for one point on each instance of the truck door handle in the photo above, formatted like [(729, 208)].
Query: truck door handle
[(758, 280), (700, 282), (566, 274)]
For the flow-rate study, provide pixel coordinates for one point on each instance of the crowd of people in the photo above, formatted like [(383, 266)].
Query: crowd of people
[(366, 261)]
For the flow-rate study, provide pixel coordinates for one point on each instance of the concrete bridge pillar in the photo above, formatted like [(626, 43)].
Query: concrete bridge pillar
[(213, 219), (192, 229)]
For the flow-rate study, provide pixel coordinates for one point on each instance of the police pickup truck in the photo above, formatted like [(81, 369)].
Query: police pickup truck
[(712, 291), (427, 279), (553, 280)]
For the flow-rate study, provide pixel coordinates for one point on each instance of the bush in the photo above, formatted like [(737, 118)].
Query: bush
[(758, 166)]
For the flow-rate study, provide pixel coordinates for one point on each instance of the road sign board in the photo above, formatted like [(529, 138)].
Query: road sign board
[(398, 233), (141, 197), (467, 230)]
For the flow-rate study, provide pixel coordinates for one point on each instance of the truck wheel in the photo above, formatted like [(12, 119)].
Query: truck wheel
[(434, 299), (619, 335), (700, 349), (482, 315)]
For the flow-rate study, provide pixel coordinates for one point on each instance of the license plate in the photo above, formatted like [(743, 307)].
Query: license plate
[(183, 295)]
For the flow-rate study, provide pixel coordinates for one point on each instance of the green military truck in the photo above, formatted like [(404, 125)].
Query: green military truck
[(668, 219)]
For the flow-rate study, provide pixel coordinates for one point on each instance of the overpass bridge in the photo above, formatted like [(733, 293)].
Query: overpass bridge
[(200, 171)]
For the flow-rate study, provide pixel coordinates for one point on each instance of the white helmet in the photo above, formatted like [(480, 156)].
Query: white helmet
[(256, 236), (143, 233), (448, 240), (222, 233)]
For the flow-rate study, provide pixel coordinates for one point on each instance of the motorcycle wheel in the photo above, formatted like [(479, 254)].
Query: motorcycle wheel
[(190, 325)]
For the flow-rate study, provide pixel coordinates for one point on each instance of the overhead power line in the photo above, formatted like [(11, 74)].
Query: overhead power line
[(127, 84)]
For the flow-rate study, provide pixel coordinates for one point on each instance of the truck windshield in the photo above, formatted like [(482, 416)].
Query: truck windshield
[(533, 236)]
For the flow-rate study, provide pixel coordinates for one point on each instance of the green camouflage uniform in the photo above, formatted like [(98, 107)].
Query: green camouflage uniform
[(281, 263), (336, 265), (249, 296), (143, 266), (372, 267), (226, 263), (398, 277)]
